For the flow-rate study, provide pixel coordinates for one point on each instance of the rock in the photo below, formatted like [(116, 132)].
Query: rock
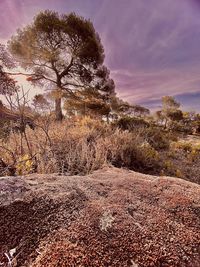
[(112, 217)]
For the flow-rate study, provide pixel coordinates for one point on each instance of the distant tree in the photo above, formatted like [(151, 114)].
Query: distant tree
[(159, 116), (40, 103), (87, 102), (119, 107), (170, 111), (192, 120), (123, 108), (131, 123), (176, 115), (169, 104), (140, 111), (63, 50), (190, 115)]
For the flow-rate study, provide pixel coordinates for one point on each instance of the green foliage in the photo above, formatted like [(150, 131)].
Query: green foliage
[(131, 123), (131, 151), (122, 108), (7, 84), (169, 104), (194, 124), (5, 129), (51, 35), (158, 138), (185, 146), (24, 165), (87, 102), (63, 50), (170, 113), (40, 103), (175, 115)]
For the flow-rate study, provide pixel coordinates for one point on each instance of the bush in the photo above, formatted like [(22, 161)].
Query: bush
[(132, 151), (158, 138), (4, 129), (80, 148), (131, 123), (24, 165), (182, 146)]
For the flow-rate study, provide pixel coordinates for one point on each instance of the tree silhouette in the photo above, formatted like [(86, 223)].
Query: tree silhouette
[(64, 51)]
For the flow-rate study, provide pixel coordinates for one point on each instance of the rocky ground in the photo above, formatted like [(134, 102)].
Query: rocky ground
[(113, 218)]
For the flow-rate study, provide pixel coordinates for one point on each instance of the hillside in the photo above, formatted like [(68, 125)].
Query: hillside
[(112, 217)]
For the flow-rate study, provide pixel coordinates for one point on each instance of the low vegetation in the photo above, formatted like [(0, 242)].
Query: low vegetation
[(84, 144), (81, 125)]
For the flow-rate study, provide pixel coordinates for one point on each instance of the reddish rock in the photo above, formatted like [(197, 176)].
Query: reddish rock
[(113, 218)]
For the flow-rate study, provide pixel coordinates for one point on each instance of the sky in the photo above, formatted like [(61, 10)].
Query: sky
[(152, 47)]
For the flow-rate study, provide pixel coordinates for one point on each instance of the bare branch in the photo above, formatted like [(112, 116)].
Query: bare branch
[(65, 71)]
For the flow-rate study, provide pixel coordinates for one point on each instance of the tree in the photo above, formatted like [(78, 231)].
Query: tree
[(7, 85), (63, 50), (195, 121), (88, 102), (169, 104), (140, 111), (170, 110), (40, 103), (119, 107), (176, 115), (123, 108)]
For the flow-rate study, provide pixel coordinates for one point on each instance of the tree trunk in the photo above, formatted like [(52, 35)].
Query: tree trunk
[(165, 125), (58, 109), (107, 118)]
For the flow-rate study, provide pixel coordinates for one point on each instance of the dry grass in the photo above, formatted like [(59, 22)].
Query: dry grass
[(77, 147), (84, 145)]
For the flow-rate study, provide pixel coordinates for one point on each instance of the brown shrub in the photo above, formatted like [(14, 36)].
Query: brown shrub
[(83, 145), (79, 148)]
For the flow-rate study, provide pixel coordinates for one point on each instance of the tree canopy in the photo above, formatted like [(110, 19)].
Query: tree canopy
[(7, 84), (63, 51), (170, 112)]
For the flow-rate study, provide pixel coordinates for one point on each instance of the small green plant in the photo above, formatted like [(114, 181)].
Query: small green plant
[(169, 168), (24, 165), (184, 146), (178, 173)]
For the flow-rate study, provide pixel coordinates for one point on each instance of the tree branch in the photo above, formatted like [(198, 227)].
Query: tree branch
[(65, 71), (32, 75)]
